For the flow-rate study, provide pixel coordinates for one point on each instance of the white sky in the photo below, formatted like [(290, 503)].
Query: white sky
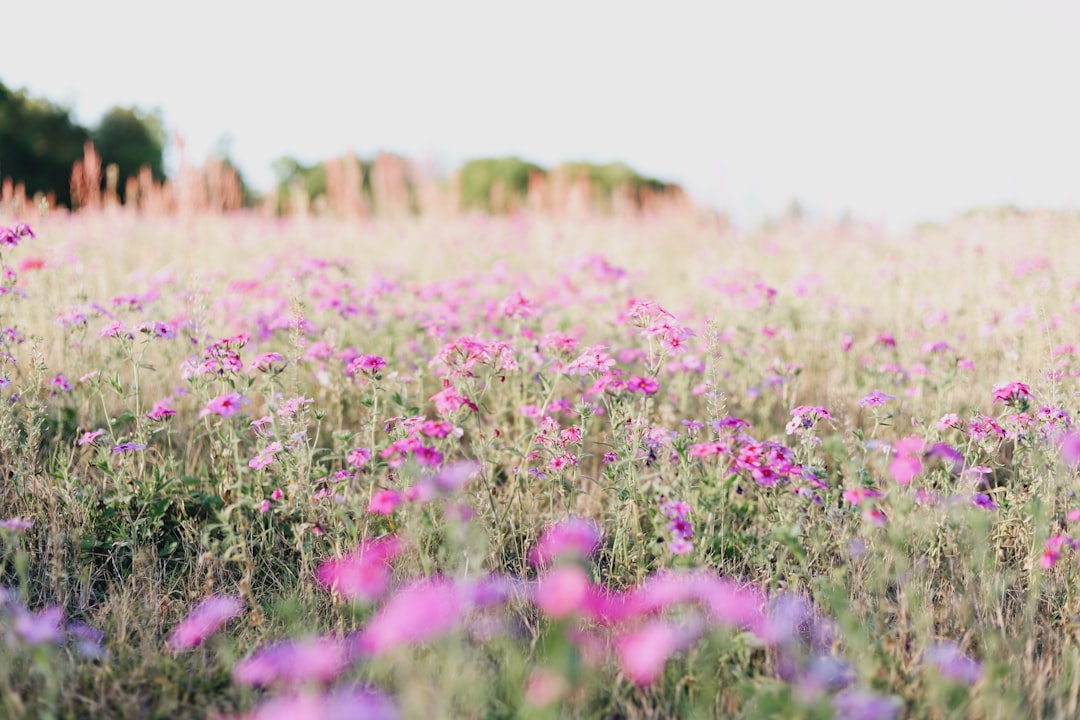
[(901, 111)]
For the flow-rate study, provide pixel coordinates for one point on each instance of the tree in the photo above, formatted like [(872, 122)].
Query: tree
[(480, 175), (132, 139), (39, 143)]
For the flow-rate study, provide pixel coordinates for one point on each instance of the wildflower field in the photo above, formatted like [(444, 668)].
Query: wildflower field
[(526, 467)]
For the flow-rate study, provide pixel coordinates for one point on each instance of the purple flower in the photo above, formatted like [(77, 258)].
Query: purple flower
[(953, 664), (39, 628), (293, 662), (876, 399), (983, 500), (17, 524), (127, 447), (863, 705)]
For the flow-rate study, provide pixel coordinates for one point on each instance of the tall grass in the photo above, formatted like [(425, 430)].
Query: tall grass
[(754, 425)]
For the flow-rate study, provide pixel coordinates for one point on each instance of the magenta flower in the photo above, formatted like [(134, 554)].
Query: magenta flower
[(161, 410), (204, 620), (646, 386), (384, 502), (359, 457), (908, 462), (224, 405), (1070, 449), (415, 614), (61, 383), (366, 364), (1014, 392), (428, 456), (363, 574), (10, 236)]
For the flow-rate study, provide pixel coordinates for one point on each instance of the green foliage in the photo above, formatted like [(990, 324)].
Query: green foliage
[(290, 171), (480, 175), (132, 139), (39, 142)]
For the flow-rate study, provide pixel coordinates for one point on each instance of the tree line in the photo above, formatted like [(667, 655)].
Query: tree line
[(41, 143)]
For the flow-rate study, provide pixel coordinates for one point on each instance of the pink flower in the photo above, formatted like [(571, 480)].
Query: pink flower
[(562, 591), (366, 364), (448, 400), (574, 537), (907, 463), (161, 410), (384, 502), (114, 329), (88, 438), (680, 546), (1070, 449), (224, 405), (428, 456), (453, 477), (16, 524), (363, 574), (61, 383), (264, 456), (875, 517), (646, 386), (949, 420), (293, 662), (644, 652), (876, 399), (203, 621), (856, 496), (359, 457), (415, 614), (265, 362), (1014, 392)]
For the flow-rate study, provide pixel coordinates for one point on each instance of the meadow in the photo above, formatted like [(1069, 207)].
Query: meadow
[(472, 466)]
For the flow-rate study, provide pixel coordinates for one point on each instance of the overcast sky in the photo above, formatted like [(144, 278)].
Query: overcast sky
[(901, 111)]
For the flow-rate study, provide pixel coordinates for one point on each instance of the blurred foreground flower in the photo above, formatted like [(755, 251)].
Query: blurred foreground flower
[(203, 621)]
